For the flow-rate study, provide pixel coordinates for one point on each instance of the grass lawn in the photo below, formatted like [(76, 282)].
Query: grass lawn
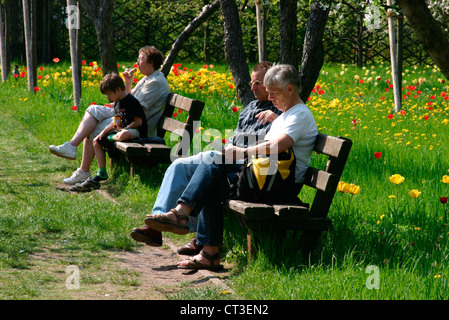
[(389, 241)]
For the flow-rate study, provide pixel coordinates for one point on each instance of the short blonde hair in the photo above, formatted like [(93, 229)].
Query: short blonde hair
[(281, 75)]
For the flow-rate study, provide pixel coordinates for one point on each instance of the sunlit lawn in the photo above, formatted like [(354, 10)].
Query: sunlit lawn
[(397, 225)]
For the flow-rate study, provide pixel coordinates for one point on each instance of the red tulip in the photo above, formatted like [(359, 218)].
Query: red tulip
[(443, 200), (377, 155)]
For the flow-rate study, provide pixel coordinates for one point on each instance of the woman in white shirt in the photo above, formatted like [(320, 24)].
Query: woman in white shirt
[(295, 128)]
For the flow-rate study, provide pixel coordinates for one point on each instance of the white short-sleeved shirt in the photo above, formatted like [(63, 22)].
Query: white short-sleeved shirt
[(152, 92), (299, 124)]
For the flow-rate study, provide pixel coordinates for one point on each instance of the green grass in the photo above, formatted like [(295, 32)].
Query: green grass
[(404, 237)]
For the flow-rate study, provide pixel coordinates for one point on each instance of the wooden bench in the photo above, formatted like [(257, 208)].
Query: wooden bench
[(280, 218), (149, 154)]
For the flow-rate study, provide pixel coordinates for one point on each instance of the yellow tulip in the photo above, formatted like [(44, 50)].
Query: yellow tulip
[(396, 179), (353, 189), (342, 187), (414, 193), (445, 179)]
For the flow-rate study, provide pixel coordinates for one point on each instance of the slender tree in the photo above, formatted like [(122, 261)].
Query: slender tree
[(29, 43), (100, 12), (74, 27), (394, 60), (261, 17), (7, 31), (3, 48)]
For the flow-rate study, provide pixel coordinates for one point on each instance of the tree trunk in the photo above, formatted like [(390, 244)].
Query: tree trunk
[(7, 34), (313, 50), (3, 47), (287, 31), (100, 12), (427, 31), (234, 50), (73, 26), (261, 30), (393, 57), (185, 34), (31, 67), (33, 17)]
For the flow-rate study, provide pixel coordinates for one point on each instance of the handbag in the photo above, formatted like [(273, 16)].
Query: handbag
[(267, 179)]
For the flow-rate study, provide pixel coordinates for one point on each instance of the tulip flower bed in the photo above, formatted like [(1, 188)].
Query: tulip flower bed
[(390, 210)]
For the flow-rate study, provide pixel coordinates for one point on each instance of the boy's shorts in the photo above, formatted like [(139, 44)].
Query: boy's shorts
[(104, 116)]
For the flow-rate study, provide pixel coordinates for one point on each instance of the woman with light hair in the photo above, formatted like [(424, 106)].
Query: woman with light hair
[(295, 128)]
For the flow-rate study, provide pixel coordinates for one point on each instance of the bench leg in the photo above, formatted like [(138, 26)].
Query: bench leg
[(309, 241), (131, 170), (250, 246)]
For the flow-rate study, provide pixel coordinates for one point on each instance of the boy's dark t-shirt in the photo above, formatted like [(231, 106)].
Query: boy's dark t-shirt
[(128, 108)]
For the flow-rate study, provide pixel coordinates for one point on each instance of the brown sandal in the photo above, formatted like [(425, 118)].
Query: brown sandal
[(196, 265), (190, 249), (160, 222)]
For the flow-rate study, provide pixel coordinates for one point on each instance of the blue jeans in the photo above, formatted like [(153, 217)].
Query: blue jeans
[(201, 182)]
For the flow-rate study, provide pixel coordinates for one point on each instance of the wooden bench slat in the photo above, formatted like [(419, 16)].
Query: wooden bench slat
[(318, 179), (329, 145), (253, 211), (174, 126), (181, 102), (131, 148), (157, 150), (290, 212)]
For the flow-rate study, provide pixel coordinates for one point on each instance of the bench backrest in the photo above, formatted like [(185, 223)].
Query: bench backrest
[(168, 123), (326, 181)]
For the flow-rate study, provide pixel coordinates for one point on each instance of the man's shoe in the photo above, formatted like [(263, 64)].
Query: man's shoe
[(65, 150), (148, 236), (190, 249), (77, 176), (86, 186)]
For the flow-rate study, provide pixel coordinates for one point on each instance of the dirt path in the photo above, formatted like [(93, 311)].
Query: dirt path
[(156, 267), (159, 275)]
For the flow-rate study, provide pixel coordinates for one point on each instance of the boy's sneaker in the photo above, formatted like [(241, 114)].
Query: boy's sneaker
[(86, 186), (65, 150), (77, 176)]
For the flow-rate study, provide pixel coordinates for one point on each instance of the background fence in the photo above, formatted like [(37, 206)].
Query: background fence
[(157, 22)]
